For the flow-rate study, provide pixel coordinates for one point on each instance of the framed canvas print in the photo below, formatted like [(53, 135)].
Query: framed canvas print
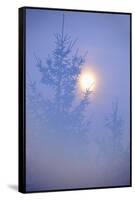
[(74, 99)]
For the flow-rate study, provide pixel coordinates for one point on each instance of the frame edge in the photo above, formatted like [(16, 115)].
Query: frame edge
[(21, 98)]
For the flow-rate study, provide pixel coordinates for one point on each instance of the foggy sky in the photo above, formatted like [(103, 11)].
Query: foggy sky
[(106, 37)]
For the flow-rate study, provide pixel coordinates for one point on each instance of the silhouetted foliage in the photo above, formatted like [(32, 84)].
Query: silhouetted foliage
[(114, 123), (61, 72)]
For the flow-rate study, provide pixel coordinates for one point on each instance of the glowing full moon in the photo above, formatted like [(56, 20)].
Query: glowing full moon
[(87, 81)]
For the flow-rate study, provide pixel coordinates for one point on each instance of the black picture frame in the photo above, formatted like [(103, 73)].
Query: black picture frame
[(22, 98)]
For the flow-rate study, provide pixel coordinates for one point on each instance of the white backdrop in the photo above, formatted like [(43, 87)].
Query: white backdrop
[(9, 98)]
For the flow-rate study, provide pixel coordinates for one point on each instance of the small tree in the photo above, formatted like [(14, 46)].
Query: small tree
[(114, 123), (61, 72)]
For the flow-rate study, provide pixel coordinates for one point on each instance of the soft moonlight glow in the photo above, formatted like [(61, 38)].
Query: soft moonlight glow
[(87, 81)]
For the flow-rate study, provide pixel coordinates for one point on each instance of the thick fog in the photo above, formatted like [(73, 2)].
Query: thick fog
[(77, 139)]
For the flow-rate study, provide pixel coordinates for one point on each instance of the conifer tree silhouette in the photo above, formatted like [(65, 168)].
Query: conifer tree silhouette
[(114, 123), (61, 72)]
